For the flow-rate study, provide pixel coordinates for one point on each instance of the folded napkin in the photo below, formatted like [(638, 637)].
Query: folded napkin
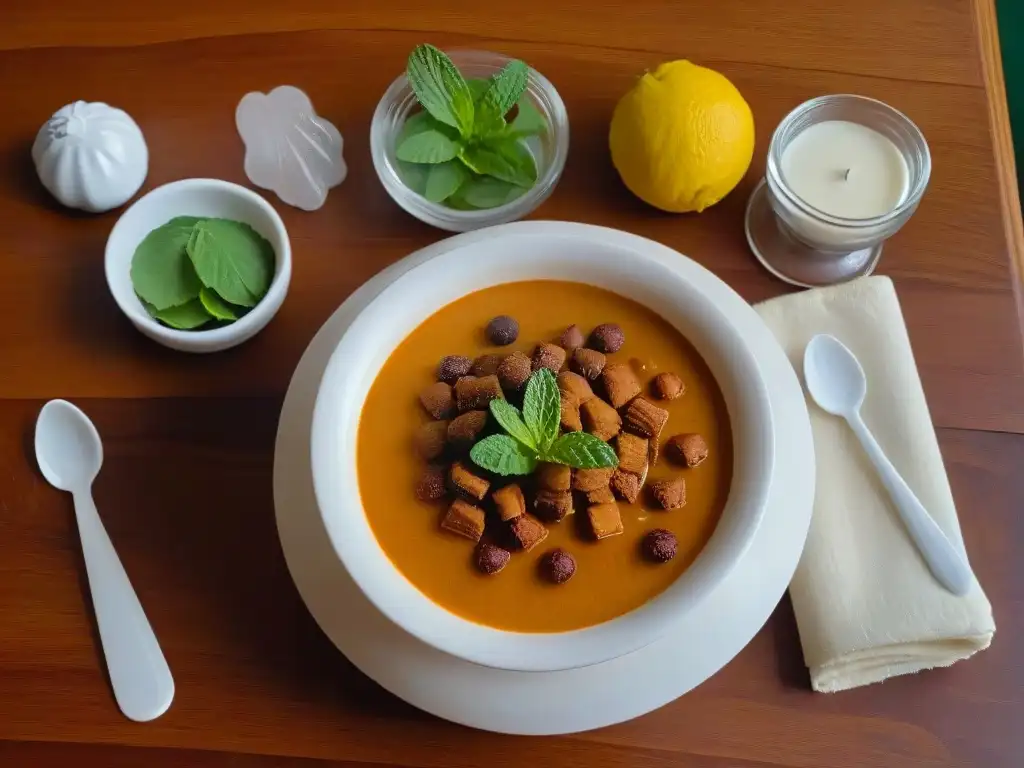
[(866, 605)]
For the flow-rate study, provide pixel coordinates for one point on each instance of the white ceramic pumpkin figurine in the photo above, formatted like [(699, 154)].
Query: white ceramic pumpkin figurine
[(91, 156)]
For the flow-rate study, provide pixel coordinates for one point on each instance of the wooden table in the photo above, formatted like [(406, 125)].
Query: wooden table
[(186, 490)]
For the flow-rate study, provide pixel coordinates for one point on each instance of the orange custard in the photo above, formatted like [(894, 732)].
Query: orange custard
[(611, 577)]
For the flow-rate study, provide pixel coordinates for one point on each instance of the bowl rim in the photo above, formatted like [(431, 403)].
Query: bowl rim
[(245, 326), (386, 586)]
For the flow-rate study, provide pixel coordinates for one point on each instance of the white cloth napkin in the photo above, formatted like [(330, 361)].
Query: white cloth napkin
[(866, 605)]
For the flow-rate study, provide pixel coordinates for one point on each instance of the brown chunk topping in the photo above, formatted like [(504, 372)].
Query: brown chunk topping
[(632, 452), (601, 495), (571, 339), (465, 429), (452, 368), (466, 483), (514, 372), (669, 494), (464, 519), (620, 383), (569, 412), (430, 439), (600, 419), (689, 449), (509, 502), (491, 559), (438, 401), (588, 363), (591, 479), (486, 365), (607, 338), (431, 485), (554, 477), (528, 531), (659, 545), (575, 385), (474, 393), (550, 356), (557, 566), (552, 506), (667, 386), (605, 520), (645, 418), (503, 330), (626, 485)]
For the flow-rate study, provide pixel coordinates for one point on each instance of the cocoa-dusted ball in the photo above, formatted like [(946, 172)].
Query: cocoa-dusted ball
[(659, 545), (557, 566), (571, 339), (607, 338), (491, 559), (432, 483), (503, 330), (514, 372), (453, 367), (667, 386)]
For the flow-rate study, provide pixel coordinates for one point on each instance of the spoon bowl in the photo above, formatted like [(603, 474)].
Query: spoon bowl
[(834, 376), (68, 447)]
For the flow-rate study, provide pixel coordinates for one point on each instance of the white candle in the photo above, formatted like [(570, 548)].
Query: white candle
[(846, 169)]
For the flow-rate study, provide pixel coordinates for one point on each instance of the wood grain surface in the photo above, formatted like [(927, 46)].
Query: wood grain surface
[(185, 490)]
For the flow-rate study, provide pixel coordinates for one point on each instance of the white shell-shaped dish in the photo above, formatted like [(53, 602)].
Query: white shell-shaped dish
[(289, 149), (91, 156)]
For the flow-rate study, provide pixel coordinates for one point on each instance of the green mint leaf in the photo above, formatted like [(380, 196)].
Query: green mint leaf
[(504, 456), (444, 180), (507, 160), (488, 192), (581, 450), (414, 175), (478, 86), (508, 416), (424, 121), (232, 259), (440, 88), (161, 272), (488, 121), (427, 146), (187, 317), (528, 121), (542, 408), (506, 87), (216, 306)]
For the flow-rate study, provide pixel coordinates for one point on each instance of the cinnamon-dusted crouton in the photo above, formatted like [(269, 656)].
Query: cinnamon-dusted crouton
[(486, 365), (569, 412), (601, 495), (600, 419), (528, 531), (438, 401), (514, 372), (464, 519), (689, 449), (554, 477), (605, 520), (591, 479), (652, 452), (430, 439), (571, 339), (632, 451), (552, 506), (667, 386), (645, 418), (669, 494), (575, 385), (548, 356), (588, 363), (474, 393), (509, 502), (464, 482), (431, 485), (464, 430), (626, 485), (620, 383)]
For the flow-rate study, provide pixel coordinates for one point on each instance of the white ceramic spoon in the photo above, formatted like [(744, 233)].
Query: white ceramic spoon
[(837, 383), (70, 454)]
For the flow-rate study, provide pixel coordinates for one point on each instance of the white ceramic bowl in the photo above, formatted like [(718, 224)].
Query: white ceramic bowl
[(515, 254), (196, 197)]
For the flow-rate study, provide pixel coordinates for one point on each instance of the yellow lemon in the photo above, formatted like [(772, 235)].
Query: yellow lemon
[(682, 138)]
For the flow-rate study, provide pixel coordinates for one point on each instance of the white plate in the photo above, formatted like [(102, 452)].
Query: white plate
[(550, 702)]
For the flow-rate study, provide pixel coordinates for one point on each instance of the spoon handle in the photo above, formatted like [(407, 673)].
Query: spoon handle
[(142, 682), (942, 558)]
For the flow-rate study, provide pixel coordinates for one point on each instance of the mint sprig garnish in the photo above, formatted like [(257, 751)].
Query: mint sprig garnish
[(532, 436), (464, 126)]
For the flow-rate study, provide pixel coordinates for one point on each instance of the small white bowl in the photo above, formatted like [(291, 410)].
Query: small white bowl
[(542, 251), (210, 198)]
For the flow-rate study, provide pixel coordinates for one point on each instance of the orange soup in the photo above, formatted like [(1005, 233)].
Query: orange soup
[(611, 576)]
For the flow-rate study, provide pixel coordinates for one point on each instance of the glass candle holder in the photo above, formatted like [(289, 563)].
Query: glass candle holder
[(844, 173)]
